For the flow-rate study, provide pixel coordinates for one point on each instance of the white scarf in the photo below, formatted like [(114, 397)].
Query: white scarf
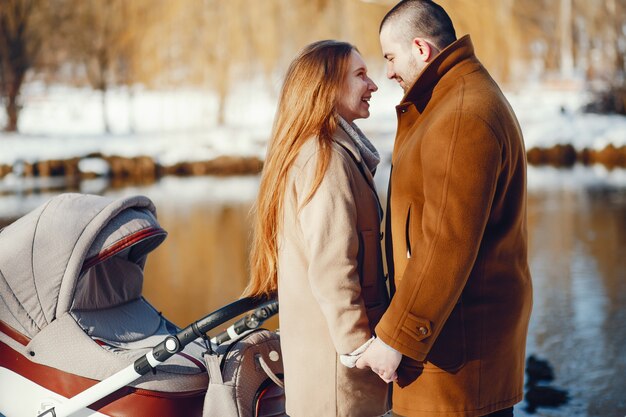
[(368, 151)]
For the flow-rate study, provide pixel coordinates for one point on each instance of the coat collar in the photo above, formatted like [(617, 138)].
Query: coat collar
[(344, 140), (457, 58)]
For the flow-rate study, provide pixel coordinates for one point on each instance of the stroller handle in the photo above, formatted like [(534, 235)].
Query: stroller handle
[(249, 322), (175, 343), (163, 351)]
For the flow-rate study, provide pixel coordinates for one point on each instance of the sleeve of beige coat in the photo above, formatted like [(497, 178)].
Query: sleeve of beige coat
[(460, 159), (328, 224)]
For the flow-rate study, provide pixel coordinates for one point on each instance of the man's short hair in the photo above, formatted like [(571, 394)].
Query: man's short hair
[(421, 19)]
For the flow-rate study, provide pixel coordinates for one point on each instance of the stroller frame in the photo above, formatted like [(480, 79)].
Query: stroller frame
[(75, 327), (170, 346)]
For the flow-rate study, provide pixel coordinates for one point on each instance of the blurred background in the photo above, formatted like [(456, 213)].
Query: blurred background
[(174, 99), (215, 45)]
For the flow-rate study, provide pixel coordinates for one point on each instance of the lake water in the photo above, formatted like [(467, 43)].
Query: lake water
[(577, 248)]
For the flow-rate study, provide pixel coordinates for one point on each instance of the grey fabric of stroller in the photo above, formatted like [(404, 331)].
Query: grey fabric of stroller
[(236, 376), (112, 282), (126, 323), (42, 253), (71, 271), (64, 345)]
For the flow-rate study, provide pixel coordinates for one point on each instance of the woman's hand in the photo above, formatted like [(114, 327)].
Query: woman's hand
[(382, 359)]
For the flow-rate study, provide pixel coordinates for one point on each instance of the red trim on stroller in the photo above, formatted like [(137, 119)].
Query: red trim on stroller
[(121, 245), (13, 334), (126, 402)]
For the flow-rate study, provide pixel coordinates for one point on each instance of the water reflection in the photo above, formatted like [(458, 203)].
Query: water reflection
[(202, 264), (577, 256), (577, 232), (577, 249)]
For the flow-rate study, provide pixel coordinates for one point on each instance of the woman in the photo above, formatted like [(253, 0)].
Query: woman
[(317, 237)]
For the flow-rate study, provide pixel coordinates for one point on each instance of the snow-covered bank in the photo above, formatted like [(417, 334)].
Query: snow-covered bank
[(550, 116), (20, 195), (180, 126), (168, 126)]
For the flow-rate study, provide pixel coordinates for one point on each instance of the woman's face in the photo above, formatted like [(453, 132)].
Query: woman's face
[(357, 90)]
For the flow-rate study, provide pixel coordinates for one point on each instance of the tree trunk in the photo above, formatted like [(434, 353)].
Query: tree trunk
[(12, 105), (105, 119), (615, 13), (12, 114), (221, 107), (132, 123), (567, 50)]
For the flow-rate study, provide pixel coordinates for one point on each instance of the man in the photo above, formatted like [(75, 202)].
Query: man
[(456, 225)]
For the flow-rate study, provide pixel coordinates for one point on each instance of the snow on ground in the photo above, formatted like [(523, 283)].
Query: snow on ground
[(180, 125), (174, 126), (549, 117), (575, 179), (171, 127)]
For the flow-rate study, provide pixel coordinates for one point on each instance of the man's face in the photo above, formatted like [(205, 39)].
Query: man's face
[(403, 64)]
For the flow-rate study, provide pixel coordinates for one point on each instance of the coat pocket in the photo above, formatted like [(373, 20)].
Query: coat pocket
[(373, 287), (370, 268), (407, 232), (448, 353)]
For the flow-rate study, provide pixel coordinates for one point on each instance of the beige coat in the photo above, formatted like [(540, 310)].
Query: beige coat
[(458, 230), (330, 284)]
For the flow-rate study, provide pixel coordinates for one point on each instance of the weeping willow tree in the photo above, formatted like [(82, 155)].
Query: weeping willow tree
[(604, 53), (108, 41), (215, 44)]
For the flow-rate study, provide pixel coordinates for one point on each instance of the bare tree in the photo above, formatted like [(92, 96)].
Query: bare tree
[(105, 37), (20, 43), (566, 23), (216, 43), (133, 61)]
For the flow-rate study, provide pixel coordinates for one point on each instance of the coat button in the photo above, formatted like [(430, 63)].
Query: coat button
[(422, 330)]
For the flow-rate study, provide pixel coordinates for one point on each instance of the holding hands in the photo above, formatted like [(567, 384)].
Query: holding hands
[(382, 359)]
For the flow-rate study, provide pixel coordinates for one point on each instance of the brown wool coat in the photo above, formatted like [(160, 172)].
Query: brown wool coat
[(331, 287), (457, 226)]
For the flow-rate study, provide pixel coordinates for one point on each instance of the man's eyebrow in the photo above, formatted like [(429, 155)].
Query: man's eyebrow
[(386, 56)]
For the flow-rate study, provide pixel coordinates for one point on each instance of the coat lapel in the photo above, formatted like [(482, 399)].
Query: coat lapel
[(343, 139)]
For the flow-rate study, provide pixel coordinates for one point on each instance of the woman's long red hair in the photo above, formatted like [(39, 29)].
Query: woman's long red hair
[(306, 109)]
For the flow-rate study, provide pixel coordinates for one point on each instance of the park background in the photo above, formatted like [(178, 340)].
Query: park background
[(175, 100)]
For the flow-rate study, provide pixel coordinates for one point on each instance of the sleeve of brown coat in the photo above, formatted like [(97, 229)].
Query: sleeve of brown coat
[(460, 173), (328, 224)]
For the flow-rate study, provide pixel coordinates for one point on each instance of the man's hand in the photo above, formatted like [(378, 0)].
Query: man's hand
[(382, 359)]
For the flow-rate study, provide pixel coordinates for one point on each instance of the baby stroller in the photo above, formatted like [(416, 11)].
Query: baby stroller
[(78, 338)]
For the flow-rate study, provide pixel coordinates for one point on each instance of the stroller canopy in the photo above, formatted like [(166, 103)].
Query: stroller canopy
[(44, 257)]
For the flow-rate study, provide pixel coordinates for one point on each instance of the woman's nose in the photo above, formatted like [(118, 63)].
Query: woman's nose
[(372, 85)]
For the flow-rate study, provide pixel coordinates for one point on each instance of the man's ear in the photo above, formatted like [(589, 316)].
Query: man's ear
[(423, 49)]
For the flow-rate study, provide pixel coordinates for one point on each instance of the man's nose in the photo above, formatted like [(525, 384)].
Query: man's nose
[(390, 72)]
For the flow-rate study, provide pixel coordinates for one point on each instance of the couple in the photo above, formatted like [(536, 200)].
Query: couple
[(452, 336)]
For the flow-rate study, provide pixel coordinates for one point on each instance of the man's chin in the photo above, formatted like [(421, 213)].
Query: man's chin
[(403, 85)]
